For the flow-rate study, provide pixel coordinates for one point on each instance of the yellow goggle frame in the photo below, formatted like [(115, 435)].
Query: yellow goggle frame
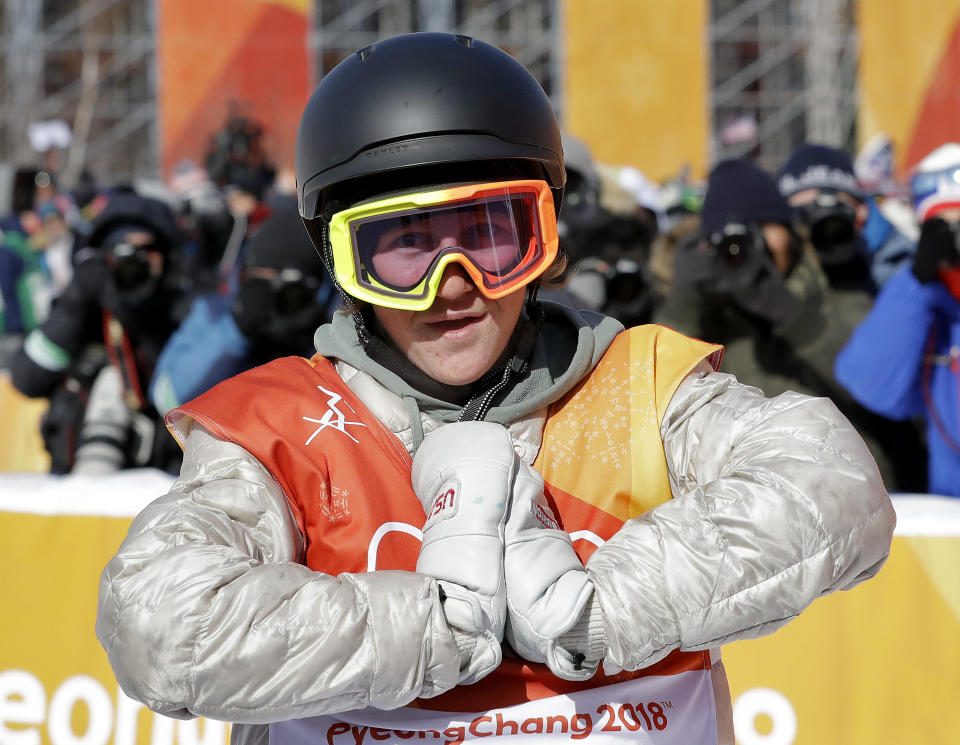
[(357, 279)]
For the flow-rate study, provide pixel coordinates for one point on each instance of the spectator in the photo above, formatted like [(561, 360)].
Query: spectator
[(284, 295), (750, 282), (890, 208), (210, 231), (681, 200), (819, 181), (30, 187), (35, 257), (120, 300), (54, 243), (237, 162), (903, 360), (26, 287), (606, 229)]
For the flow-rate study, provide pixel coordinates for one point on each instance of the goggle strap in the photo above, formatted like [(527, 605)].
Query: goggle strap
[(359, 323), (532, 290), (326, 256)]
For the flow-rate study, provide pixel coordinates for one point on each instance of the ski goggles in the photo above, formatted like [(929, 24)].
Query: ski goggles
[(393, 252)]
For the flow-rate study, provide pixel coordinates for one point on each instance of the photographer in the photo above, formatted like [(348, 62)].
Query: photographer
[(284, 295), (607, 232), (819, 183), (904, 359), (94, 354), (209, 230), (747, 280)]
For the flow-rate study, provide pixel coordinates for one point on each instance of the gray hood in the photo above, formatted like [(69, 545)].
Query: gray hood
[(569, 345)]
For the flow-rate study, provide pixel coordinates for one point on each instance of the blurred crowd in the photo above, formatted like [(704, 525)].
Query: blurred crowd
[(121, 302), (831, 277)]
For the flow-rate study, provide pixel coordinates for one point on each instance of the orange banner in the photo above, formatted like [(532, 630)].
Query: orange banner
[(909, 74), (212, 57)]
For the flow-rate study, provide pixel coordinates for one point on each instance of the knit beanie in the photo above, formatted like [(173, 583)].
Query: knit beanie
[(118, 235), (126, 209), (935, 184), (281, 242), (818, 167), (740, 192)]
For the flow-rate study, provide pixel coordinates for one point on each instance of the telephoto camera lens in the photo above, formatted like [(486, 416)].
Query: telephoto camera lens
[(131, 272), (739, 257), (292, 291), (832, 225), (832, 230), (628, 281), (733, 245), (130, 266), (292, 297), (733, 251)]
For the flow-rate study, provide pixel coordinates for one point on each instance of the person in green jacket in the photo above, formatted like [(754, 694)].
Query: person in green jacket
[(751, 280)]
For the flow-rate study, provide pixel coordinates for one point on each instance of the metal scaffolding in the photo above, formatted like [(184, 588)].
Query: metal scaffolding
[(783, 72), (89, 63), (527, 29)]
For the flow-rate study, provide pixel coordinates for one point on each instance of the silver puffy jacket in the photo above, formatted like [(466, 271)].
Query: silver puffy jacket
[(206, 611)]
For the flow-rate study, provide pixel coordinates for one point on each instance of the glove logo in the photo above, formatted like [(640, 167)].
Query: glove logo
[(444, 506), (544, 516)]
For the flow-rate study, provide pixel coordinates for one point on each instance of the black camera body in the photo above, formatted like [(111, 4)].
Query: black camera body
[(832, 225), (955, 231), (739, 257), (130, 266)]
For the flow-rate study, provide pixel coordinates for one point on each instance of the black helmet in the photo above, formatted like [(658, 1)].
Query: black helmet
[(422, 109)]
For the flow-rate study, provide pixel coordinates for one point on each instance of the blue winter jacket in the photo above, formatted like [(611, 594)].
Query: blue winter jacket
[(206, 348), (903, 360), (889, 249)]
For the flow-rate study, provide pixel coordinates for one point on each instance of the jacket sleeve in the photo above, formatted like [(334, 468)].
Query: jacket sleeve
[(881, 363), (74, 322), (204, 610), (777, 501), (206, 348)]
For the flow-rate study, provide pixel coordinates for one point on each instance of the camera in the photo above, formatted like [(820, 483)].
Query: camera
[(955, 231), (293, 291), (832, 225), (283, 309), (130, 266), (739, 256)]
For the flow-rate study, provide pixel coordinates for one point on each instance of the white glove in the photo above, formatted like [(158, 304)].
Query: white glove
[(548, 590), (463, 474)]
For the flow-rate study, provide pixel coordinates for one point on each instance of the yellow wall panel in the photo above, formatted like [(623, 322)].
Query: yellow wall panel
[(635, 85), (880, 663), (56, 685), (21, 445)]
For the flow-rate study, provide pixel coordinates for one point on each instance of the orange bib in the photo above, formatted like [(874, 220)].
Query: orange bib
[(347, 478)]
